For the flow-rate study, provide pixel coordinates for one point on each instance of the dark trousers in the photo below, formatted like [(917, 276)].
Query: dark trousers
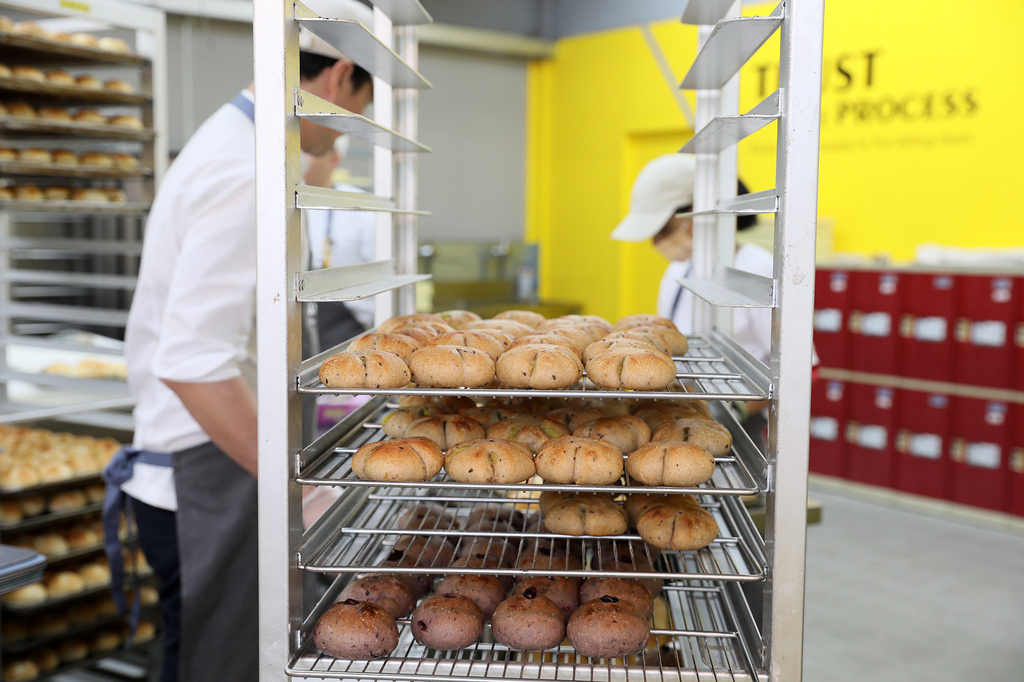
[(207, 558), (158, 539)]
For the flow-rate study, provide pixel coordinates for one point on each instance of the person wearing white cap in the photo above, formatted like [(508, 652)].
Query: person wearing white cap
[(189, 478)]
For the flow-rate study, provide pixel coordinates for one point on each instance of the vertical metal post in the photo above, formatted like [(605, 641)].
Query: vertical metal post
[(279, 332), (705, 187), (406, 113), (383, 169), (795, 222)]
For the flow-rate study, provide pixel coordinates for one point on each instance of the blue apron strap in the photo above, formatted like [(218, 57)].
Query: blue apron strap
[(246, 105), (118, 472)]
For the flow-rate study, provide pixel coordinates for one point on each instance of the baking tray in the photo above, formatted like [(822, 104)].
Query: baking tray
[(696, 637), (48, 518), (70, 93), (77, 207), (358, 533), (34, 127), (68, 171), (42, 51)]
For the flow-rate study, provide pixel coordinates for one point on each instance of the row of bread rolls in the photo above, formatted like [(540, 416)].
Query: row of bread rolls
[(516, 349), (15, 509), (62, 78), (66, 157), (56, 541), (60, 583), (85, 115), (93, 195), (34, 30), (18, 628), (33, 457), (602, 617), (47, 660)]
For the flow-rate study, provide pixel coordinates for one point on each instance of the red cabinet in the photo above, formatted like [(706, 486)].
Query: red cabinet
[(876, 303), (1017, 461), (922, 443), (870, 453), (831, 308), (980, 453), (926, 325), (828, 420), (986, 323)]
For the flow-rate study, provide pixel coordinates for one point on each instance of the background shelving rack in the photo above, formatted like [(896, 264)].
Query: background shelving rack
[(71, 264), (717, 633)]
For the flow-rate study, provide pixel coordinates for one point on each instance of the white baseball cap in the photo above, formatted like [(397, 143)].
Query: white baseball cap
[(333, 9), (663, 187)]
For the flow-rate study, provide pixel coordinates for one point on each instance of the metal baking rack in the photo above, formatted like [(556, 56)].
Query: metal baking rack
[(328, 461), (708, 366), (69, 171), (53, 486), (70, 93), (49, 518), (33, 127), (696, 635), (356, 536), (44, 51), (76, 207)]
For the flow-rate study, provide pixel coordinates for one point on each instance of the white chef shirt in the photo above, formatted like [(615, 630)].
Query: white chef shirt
[(347, 237), (193, 314), (752, 327)]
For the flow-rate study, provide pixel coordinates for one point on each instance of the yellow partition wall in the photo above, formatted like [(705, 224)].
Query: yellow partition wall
[(920, 138)]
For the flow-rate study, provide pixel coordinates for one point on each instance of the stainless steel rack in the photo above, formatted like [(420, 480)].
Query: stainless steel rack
[(709, 628)]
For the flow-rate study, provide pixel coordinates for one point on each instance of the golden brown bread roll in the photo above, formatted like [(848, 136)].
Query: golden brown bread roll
[(32, 505), (120, 86), (57, 193), (65, 157), (549, 338), (471, 339), (399, 344), (673, 338), (28, 193), (394, 323), (677, 526), (72, 649), (451, 367), (103, 640), (634, 369), (29, 595), (606, 344), (595, 320), (63, 583), (489, 461), (530, 430), (34, 155), (402, 459), (96, 159), (84, 39), (6, 193), (112, 44), (28, 73), (364, 369), (586, 514), (87, 82), (94, 575), (670, 463), (510, 327), (527, 317), (54, 114), (659, 412), (446, 430), (395, 423), (626, 431), (144, 632), (125, 121), (574, 417), (114, 195), (19, 477), (458, 318), (125, 161), (489, 415), (19, 670), (574, 459), (89, 116), (30, 28), (643, 320), (581, 336), (654, 340), (708, 434), (539, 366), (8, 154), (10, 512), (59, 77), (67, 499), (20, 110), (54, 471)]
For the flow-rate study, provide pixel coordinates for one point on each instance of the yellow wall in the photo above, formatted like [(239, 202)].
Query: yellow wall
[(893, 174)]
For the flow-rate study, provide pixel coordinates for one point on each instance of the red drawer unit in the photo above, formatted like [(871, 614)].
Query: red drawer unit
[(985, 328), (1017, 462), (831, 310), (876, 302), (1018, 342), (870, 431), (980, 452), (926, 325), (828, 417), (922, 443)]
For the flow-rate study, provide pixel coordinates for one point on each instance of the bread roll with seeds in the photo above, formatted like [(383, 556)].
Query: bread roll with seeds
[(710, 435), (677, 526), (401, 459), (644, 320), (486, 591), (625, 590), (356, 630), (458, 318), (490, 461), (586, 514), (548, 338), (564, 592), (471, 339), (574, 417), (451, 367), (447, 621), (607, 628), (540, 366), (660, 412), (398, 344), (395, 423), (364, 369), (529, 430), (670, 463), (394, 323), (626, 432), (510, 327), (528, 622), (527, 317), (447, 430), (634, 369), (387, 591), (575, 459)]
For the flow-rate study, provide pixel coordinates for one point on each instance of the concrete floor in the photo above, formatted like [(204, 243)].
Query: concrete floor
[(898, 593)]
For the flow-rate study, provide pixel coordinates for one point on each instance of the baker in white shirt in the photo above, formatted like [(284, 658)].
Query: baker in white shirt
[(190, 476), (663, 189)]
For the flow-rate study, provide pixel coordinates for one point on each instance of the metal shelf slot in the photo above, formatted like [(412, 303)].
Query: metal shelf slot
[(105, 386), (59, 245), (756, 203), (56, 344), (730, 45), (36, 414), (404, 12), (351, 282), (83, 279), (326, 198), (732, 288), (724, 131), (362, 46), (322, 112), (65, 313), (697, 12), (76, 207)]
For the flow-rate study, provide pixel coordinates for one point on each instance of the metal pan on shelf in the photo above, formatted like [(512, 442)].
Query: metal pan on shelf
[(44, 51), (79, 207), (67, 171), (70, 93), (48, 518), (31, 127)]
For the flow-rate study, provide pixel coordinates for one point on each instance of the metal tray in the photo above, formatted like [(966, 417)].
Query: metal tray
[(41, 51), (76, 171), (71, 93), (47, 518), (77, 207), (358, 533), (34, 127), (695, 637)]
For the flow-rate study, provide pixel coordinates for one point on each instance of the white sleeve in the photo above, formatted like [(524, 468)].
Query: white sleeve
[(211, 299)]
